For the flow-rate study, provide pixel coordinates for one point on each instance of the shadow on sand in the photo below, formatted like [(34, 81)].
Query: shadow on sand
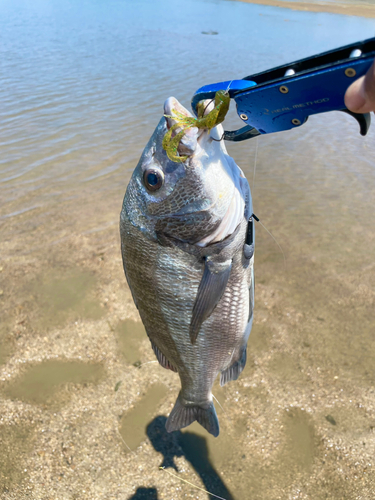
[(145, 494), (193, 448)]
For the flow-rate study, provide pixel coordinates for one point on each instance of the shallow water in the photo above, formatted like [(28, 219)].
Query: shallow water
[(130, 334), (41, 383), (134, 422), (63, 295), (81, 90)]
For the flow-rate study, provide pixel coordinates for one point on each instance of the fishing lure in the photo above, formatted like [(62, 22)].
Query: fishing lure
[(209, 121)]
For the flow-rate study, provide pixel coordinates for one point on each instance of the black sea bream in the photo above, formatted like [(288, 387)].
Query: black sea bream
[(187, 247)]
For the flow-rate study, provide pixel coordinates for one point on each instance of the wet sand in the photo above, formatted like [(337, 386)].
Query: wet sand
[(348, 9), (83, 401)]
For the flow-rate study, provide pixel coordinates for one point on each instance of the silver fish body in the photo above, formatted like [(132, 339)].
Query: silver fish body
[(187, 247)]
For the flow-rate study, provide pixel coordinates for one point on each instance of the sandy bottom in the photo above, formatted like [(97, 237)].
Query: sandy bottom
[(350, 9), (84, 403)]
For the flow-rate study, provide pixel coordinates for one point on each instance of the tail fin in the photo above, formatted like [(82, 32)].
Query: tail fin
[(183, 415)]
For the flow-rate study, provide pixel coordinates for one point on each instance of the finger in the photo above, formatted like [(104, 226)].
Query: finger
[(370, 86), (360, 96), (354, 97)]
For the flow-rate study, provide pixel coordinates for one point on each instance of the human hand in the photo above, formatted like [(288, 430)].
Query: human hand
[(360, 96)]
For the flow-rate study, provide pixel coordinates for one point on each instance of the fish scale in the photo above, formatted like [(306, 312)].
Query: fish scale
[(195, 300)]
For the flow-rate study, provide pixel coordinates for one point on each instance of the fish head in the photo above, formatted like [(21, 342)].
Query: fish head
[(186, 200)]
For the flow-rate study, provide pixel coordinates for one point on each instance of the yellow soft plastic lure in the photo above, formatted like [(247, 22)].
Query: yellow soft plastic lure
[(209, 121)]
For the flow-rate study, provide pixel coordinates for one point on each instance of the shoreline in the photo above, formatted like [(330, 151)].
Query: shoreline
[(344, 9)]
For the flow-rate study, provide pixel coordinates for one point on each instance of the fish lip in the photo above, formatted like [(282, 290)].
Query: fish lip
[(190, 142), (172, 103)]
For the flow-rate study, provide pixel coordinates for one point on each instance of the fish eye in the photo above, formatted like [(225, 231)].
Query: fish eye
[(153, 179)]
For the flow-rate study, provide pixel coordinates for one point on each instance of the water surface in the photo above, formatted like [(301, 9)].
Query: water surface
[(81, 90)]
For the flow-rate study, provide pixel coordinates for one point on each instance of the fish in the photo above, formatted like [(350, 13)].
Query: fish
[(187, 242)]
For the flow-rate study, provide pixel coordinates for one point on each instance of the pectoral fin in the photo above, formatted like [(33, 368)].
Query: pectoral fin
[(211, 288)]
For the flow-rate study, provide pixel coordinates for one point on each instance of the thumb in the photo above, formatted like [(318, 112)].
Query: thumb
[(360, 96)]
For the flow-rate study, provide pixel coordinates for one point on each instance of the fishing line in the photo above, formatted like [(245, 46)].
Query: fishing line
[(123, 440), (272, 236), (118, 432), (253, 215), (218, 402), (117, 429), (191, 484), (230, 83), (222, 137), (255, 161), (163, 468), (212, 100), (116, 390)]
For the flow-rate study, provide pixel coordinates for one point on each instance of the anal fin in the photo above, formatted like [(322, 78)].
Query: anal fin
[(211, 289), (162, 359), (234, 370)]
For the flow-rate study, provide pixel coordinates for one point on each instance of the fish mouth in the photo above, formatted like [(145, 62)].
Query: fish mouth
[(189, 141), (193, 136)]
